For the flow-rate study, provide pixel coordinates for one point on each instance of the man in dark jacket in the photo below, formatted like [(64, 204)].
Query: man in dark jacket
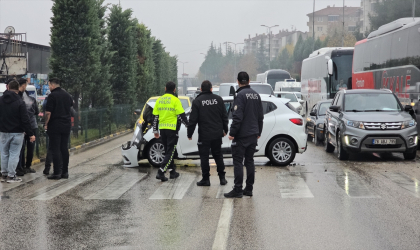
[(246, 128), (58, 125), (208, 110), (33, 111), (14, 121)]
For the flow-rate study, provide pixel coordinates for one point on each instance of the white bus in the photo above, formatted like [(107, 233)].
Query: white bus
[(289, 85), (272, 76), (317, 82)]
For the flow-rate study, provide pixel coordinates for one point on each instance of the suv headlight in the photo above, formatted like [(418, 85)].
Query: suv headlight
[(355, 124), (408, 124)]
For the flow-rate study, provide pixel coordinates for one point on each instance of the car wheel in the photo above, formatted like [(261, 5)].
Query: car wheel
[(342, 153), (410, 156), (156, 153), (327, 145), (281, 151), (317, 140)]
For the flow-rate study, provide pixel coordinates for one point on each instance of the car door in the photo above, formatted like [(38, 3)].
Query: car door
[(310, 122), (335, 118), (269, 123)]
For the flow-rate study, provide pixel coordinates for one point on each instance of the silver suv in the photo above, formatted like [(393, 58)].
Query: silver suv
[(369, 121)]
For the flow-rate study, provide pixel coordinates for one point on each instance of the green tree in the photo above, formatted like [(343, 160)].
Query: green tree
[(123, 68), (75, 36), (262, 58), (297, 53), (391, 10)]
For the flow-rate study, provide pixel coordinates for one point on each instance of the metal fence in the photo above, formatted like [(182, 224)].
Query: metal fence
[(90, 124)]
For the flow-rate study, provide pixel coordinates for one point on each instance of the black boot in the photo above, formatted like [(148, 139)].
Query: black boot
[(235, 193), (161, 176), (204, 182), (173, 174), (222, 179), (247, 191)]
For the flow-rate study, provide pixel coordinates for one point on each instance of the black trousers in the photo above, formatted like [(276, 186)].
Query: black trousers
[(216, 150), (244, 148), (169, 141), (60, 152), (29, 147)]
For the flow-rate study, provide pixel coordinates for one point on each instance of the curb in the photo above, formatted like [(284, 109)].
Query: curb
[(91, 143)]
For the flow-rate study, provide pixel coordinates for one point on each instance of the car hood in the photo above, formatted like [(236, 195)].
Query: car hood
[(377, 116)]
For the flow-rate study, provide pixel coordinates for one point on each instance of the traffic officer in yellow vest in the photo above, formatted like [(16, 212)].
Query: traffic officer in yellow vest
[(169, 114)]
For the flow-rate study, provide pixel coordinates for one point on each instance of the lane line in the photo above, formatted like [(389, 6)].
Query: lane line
[(410, 184), (174, 189), (293, 186), (118, 187), (62, 188), (223, 227), (224, 189)]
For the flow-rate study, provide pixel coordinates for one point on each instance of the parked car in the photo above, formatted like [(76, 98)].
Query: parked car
[(216, 90), (369, 121), (294, 100), (282, 138), (315, 121), (260, 88), (2, 88)]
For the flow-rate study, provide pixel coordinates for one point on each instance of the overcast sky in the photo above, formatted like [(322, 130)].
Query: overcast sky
[(186, 28)]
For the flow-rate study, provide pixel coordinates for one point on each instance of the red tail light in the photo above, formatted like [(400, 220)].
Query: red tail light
[(297, 121)]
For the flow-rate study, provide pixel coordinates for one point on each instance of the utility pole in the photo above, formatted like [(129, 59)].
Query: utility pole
[(234, 54), (269, 43), (414, 9), (342, 37), (226, 46), (313, 27), (183, 80)]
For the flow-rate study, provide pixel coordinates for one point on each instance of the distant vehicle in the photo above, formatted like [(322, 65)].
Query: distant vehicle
[(272, 76), (390, 58), (369, 120), (294, 101), (324, 73), (280, 143), (260, 88), (196, 93), (315, 122), (191, 91), (289, 85), (2, 88), (216, 91)]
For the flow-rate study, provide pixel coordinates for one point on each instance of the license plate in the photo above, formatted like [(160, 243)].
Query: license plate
[(384, 141)]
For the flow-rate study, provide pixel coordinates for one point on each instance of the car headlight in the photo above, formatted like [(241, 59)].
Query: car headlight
[(355, 124), (408, 124)]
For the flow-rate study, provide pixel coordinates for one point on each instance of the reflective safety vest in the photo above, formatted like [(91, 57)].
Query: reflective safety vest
[(168, 107)]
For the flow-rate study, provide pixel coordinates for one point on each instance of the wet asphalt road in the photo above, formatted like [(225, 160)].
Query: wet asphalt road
[(369, 202)]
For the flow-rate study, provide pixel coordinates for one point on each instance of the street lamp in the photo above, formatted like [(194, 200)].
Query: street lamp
[(269, 43), (205, 70), (234, 55), (183, 80)]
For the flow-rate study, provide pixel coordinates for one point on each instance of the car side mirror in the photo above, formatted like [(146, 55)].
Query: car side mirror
[(232, 91), (301, 102), (408, 108), (137, 111), (335, 108), (312, 113), (330, 67)]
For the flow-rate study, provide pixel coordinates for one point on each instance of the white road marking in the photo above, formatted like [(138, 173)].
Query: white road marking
[(293, 186), (69, 184), (410, 184), (225, 189), (222, 232), (118, 187), (174, 189)]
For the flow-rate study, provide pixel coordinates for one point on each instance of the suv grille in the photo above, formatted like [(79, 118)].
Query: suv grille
[(382, 125)]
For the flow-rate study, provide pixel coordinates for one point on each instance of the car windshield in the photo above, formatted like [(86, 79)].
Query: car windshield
[(262, 89), (290, 96), (372, 102), (299, 95), (216, 92), (323, 107), (184, 103), (291, 89)]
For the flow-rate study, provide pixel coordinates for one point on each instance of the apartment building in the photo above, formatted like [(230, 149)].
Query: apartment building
[(368, 7)]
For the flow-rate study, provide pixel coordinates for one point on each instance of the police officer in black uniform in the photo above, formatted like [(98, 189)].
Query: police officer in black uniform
[(208, 110), (246, 128)]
